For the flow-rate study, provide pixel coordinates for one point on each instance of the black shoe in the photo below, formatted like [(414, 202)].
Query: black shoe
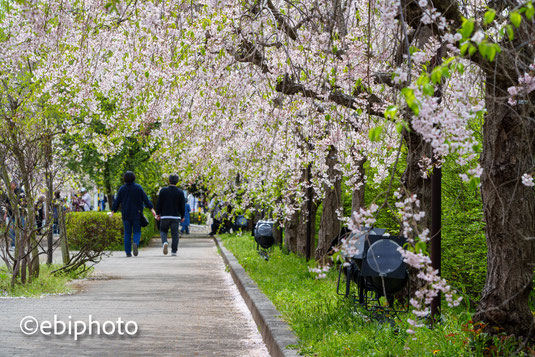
[(128, 255), (134, 249)]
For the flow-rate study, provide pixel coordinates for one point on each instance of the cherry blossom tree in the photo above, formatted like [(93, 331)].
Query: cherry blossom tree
[(265, 90)]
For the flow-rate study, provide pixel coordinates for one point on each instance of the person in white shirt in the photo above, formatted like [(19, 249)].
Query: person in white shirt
[(86, 198)]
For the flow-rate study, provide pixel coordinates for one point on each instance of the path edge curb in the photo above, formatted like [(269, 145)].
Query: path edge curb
[(275, 332)]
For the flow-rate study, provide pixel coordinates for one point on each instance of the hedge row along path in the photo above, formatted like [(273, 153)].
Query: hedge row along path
[(184, 306)]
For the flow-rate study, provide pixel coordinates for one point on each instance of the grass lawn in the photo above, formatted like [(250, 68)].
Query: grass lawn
[(327, 324), (46, 283)]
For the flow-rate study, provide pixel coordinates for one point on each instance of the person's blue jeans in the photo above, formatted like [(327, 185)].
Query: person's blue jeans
[(185, 228), (131, 226)]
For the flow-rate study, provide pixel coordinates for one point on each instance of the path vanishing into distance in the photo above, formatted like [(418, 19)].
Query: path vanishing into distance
[(185, 305)]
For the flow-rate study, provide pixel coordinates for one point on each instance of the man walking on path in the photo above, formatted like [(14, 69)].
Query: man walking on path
[(170, 210), (131, 197)]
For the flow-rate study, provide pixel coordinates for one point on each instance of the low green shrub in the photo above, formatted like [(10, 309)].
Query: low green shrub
[(105, 231)]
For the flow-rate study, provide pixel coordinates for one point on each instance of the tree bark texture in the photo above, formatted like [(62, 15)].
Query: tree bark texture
[(107, 184), (509, 209), (357, 198), (414, 183), (412, 179), (290, 232), (302, 228), (49, 217), (332, 203), (30, 232), (277, 234), (63, 235)]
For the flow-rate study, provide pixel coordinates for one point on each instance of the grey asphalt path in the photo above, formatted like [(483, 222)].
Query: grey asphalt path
[(183, 306)]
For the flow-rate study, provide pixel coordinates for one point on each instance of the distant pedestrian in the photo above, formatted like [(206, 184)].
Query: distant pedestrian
[(57, 204), (170, 210), (186, 222), (103, 202), (40, 212), (86, 200), (131, 197), (217, 219), (77, 203)]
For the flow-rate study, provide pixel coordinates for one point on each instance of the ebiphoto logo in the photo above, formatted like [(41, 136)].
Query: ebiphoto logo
[(30, 325)]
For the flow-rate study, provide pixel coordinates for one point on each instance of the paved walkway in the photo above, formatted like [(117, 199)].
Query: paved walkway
[(183, 306)]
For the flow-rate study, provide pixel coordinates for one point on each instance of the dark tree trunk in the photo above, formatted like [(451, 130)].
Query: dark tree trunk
[(107, 184), (63, 243), (414, 183), (509, 208), (49, 211), (30, 232), (277, 234), (302, 228), (412, 179), (290, 232), (257, 216), (357, 199), (417, 149), (332, 204)]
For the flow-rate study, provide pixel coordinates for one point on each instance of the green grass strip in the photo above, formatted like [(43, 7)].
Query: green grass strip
[(327, 324), (45, 284)]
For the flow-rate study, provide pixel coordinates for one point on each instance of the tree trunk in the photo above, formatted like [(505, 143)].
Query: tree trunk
[(509, 208), (417, 149), (302, 228), (23, 269), (49, 218), (357, 199), (414, 183), (332, 204), (277, 234), (30, 231), (412, 179), (49, 212), (63, 235), (13, 221), (107, 184), (290, 232)]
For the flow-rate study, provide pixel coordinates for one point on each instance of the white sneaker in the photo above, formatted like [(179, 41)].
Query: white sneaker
[(173, 254), (165, 245)]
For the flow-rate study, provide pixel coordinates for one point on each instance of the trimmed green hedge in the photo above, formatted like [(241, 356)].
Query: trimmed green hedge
[(100, 227)]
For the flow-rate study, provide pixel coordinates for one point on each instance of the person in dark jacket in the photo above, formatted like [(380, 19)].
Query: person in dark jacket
[(170, 210), (131, 197)]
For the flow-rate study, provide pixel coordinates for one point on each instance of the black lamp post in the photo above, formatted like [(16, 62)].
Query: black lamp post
[(436, 216)]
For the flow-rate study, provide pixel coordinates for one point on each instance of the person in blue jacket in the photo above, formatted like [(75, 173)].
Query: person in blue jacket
[(132, 198), (186, 222)]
